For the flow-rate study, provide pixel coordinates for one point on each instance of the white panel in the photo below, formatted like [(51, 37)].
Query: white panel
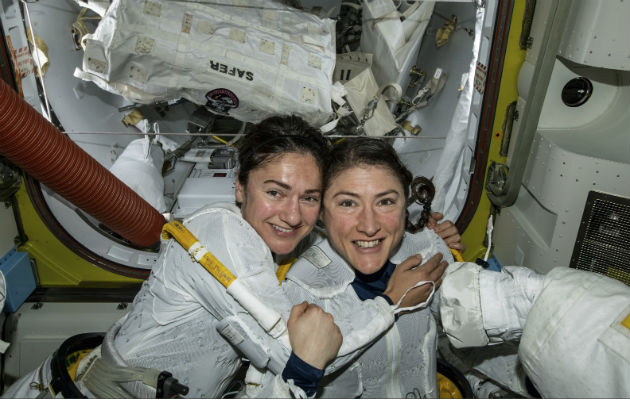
[(598, 34), (37, 329), (204, 187), (559, 181), (555, 114), (599, 127)]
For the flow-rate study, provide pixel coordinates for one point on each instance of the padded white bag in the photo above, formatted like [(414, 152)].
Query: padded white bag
[(244, 58), (394, 37), (354, 71)]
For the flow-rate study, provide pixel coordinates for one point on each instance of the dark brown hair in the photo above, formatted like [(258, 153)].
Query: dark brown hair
[(276, 136)]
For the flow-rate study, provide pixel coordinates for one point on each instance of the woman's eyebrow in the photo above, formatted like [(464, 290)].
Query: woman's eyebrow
[(344, 193), (385, 193), (388, 192), (281, 184)]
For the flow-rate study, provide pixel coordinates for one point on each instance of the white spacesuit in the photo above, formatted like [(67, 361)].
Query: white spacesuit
[(183, 321), (574, 326), (402, 362)]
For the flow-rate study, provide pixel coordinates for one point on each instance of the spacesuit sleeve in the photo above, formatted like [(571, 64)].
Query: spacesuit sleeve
[(576, 341), (232, 241), (360, 322), (480, 307)]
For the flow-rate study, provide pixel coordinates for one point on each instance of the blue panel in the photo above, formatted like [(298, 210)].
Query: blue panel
[(18, 275), (495, 265)]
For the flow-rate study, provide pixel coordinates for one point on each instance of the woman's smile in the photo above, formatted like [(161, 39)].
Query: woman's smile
[(281, 200), (364, 214)]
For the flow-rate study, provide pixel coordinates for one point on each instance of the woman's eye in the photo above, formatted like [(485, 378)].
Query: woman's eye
[(346, 203), (273, 193), (311, 199), (387, 202)]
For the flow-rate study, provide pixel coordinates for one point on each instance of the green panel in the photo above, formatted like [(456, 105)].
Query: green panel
[(56, 264), (475, 233)]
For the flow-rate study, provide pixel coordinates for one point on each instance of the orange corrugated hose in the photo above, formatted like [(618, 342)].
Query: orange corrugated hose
[(32, 143)]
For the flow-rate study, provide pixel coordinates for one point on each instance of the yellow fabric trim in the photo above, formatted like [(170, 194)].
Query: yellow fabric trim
[(626, 321), (457, 255), (184, 237), (73, 360), (282, 270), (133, 117), (447, 389)]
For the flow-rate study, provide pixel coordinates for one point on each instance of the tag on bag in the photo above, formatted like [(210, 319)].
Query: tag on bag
[(364, 97)]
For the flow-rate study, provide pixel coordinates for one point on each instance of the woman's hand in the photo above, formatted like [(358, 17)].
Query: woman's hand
[(447, 231), (406, 275), (314, 336)]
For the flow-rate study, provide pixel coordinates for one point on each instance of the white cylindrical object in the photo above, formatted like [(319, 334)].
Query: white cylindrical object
[(267, 317)]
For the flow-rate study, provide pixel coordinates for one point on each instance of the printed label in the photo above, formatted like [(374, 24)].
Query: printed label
[(480, 77), (232, 335), (317, 257), (233, 71), (187, 23)]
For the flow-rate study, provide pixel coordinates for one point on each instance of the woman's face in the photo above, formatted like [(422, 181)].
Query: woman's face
[(281, 200), (364, 213)]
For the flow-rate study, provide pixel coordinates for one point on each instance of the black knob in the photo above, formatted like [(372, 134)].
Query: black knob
[(577, 91)]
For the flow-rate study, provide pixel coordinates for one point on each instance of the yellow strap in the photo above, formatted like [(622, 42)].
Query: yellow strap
[(219, 139), (73, 360), (282, 270), (183, 236), (457, 255)]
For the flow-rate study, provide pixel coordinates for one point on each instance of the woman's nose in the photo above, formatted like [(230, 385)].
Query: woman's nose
[(368, 223), (290, 212)]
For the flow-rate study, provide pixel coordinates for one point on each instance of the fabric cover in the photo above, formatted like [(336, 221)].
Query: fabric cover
[(393, 37), (574, 344), (140, 167), (244, 58), (481, 307)]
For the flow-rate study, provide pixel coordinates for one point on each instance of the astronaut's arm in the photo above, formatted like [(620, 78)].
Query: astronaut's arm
[(315, 340), (480, 307), (360, 322)]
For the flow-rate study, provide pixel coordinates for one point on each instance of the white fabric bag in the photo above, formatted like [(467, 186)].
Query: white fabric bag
[(140, 167), (354, 71), (243, 58), (393, 40)]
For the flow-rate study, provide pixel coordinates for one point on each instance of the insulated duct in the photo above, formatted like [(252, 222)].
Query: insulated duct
[(32, 143)]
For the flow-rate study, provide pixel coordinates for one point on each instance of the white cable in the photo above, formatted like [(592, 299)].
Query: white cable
[(215, 134), (489, 230), (398, 309)]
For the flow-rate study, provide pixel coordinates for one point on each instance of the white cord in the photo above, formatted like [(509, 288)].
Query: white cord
[(398, 309), (214, 134), (489, 230)]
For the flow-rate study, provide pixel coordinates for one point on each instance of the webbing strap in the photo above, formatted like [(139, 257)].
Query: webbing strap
[(176, 230)]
